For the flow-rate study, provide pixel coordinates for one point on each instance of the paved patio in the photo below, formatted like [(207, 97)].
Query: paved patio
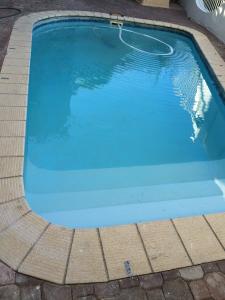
[(180, 284), (202, 282)]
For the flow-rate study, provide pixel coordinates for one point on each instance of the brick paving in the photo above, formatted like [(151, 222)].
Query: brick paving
[(203, 282)]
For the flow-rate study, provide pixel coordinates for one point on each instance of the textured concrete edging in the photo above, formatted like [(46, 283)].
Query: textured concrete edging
[(34, 247)]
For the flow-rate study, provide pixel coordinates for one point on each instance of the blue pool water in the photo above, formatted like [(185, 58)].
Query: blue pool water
[(116, 135)]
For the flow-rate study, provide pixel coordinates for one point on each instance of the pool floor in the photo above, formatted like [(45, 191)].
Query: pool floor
[(123, 132)]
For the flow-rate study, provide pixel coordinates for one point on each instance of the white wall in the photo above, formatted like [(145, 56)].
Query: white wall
[(214, 21)]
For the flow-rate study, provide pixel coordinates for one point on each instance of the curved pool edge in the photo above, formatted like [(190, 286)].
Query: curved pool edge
[(35, 247)]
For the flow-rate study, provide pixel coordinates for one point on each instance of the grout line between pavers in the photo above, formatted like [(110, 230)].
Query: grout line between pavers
[(31, 248), (25, 106), (68, 257), (2, 137), (12, 200), (15, 221), (15, 120), (103, 254), (145, 250), (16, 94), (213, 231), (6, 81), (9, 177), (8, 136), (10, 155), (188, 255)]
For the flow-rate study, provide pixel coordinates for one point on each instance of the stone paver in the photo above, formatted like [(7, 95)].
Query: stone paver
[(221, 265), (160, 239), (9, 292), (172, 274), (13, 100), (11, 129), (20, 237), (108, 289), (191, 273), (30, 293), (200, 290), (11, 146), (132, 294), (22, 279), (7, 275), (200, 249), (216, 285), (217, 222), (156, 294), (177, 289), (11, 166), (87, 250), (90, 297), (48, 257), (210, 267), (82, 290), (120, 245), (56, 292), (11, 188), (12, 211), (151, 281), (129, 282), (12, 113)]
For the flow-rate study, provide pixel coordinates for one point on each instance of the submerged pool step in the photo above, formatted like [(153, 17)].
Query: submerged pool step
[(130, 213), (65, 181), (124, 196)]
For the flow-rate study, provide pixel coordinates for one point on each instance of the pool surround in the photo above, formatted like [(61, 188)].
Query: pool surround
[(35, 247)]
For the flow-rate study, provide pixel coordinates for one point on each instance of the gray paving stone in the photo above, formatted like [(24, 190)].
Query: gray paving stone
[(172, 274), (200, 290), (192, 273), (221, 265), (135, 293), (155, 295), (108, 289), (216, 285), (129, 282), (90, 297), (177, 290), (7, 275), (151, 281), (210, 267), (22, 279), (82, 290), (9, 292), (56, 292), (30, 292)]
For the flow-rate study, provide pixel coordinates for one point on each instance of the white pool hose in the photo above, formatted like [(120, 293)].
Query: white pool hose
[(170, 52)]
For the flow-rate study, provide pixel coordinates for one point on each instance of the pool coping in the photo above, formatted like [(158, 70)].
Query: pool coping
[(32, 246)]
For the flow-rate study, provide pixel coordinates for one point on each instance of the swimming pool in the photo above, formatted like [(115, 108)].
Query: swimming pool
[(116, 135)]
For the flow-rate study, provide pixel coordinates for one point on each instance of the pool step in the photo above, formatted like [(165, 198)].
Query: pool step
[(136, 213), (49, 181), (124, 196)]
